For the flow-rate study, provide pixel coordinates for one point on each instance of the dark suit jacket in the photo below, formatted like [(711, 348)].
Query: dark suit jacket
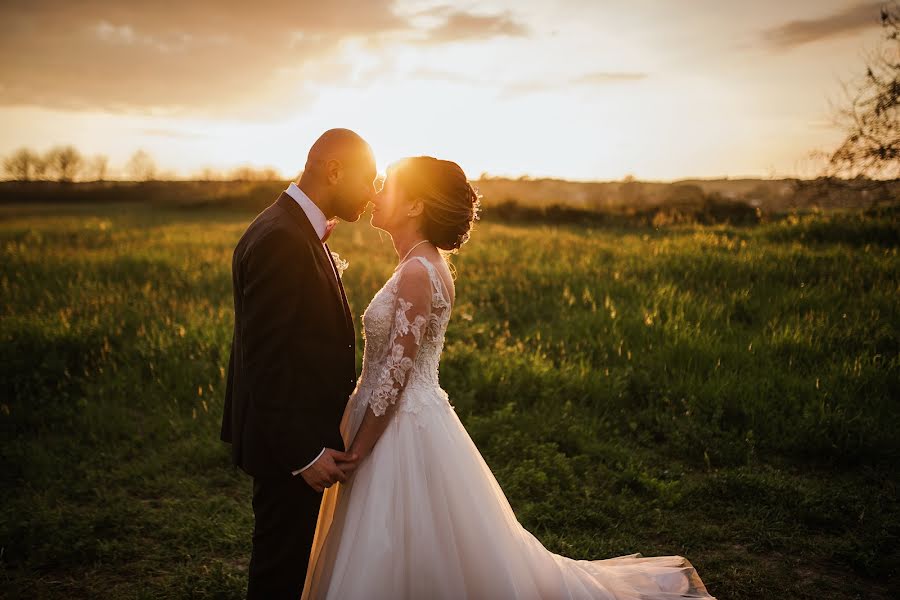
[(293, 358)]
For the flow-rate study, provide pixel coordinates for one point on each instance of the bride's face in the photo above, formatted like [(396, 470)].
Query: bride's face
[(389, 207)]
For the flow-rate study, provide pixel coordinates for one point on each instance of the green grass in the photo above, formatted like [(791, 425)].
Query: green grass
[(728, 394)]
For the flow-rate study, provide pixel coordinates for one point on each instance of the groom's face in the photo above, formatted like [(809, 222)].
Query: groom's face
[(355, 189)]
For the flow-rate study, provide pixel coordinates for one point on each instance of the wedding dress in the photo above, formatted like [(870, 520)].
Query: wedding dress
[(423, 516)]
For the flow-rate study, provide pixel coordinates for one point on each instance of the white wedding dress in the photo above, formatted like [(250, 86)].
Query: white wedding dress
[(423, 517)]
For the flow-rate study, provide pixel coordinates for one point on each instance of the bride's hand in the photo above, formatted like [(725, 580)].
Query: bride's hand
[(328, 469), (349, 465), (355, 450)]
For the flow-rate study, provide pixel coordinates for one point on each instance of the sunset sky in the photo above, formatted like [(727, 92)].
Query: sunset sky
[(661, 89)]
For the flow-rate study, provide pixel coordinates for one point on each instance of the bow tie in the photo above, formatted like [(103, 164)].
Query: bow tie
[(329, 227)]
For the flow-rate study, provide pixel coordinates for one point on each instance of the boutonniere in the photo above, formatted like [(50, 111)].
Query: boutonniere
[(339, 263)]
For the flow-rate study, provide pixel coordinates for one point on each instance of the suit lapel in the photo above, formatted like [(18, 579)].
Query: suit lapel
[(323, 255), (347, 316)]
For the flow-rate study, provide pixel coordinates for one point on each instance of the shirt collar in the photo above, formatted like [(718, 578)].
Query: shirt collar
[(313, 213)]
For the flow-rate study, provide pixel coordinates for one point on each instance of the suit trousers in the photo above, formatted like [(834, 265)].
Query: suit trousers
[(285, 511)]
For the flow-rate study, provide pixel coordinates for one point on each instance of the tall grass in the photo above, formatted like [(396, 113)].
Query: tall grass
[(724, 393)]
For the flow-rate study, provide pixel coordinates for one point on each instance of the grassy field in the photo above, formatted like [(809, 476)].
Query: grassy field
[(728, 394)]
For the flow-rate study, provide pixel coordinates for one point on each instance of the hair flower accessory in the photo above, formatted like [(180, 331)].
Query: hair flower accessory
[(476, 203)]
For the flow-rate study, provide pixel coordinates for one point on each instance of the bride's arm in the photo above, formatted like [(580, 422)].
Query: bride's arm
[(411, 317)]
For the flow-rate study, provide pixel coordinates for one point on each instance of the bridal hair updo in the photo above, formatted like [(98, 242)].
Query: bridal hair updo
[(450, 203)]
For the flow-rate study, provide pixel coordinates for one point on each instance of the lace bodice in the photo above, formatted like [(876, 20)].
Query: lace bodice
[(403, 328)]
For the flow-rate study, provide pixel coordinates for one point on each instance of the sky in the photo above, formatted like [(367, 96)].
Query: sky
[(584, 90)]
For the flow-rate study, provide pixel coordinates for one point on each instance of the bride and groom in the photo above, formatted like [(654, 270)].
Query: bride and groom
[(372, 488)]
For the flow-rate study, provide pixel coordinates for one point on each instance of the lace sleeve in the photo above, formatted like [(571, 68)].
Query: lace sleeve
[(412, 311)]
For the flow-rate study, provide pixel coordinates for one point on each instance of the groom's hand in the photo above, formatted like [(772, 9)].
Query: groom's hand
[(325, 471)]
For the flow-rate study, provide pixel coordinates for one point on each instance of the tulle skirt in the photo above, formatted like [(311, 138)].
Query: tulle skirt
[(424, 518)]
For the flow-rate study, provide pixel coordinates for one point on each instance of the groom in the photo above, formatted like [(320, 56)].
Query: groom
[(293, 362)]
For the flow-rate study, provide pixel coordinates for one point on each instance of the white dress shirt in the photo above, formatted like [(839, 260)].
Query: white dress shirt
[(319, 222), (313, 212)]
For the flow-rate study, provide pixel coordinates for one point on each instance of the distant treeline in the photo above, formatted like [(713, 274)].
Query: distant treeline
[(659, 205), (67, 164), (631, 195), (63, 174), (241, 195), (705, 212)]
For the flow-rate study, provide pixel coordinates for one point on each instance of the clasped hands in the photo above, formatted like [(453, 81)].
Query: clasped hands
[(331, 467)]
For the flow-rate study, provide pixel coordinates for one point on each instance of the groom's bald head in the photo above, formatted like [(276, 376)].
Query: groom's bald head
[(342, 145), (339, 174)]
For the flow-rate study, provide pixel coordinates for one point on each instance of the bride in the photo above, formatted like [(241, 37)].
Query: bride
[(422, 516)]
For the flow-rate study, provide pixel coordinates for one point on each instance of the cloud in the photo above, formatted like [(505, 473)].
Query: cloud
[(430, 74), (604, 77), (850, 20), (522, 87), (213, 57), (599, 78), (172, 133), (461, 26)]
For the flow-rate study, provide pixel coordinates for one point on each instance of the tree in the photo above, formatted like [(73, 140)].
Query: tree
[(96, 168), (871, 148), (141, 166), (207, 174), (631, 190), (248, 173), (63, 162), (40, 167), (23, 165)]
